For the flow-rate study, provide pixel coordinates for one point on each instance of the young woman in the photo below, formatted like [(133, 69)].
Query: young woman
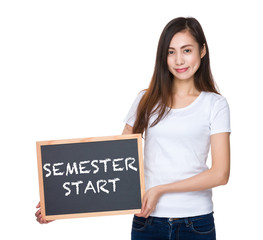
[(181, 114)]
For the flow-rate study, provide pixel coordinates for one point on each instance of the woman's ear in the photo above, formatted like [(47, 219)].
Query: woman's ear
[(203, 51)]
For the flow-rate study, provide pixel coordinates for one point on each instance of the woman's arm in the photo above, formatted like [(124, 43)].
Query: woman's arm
[(127, 130), (217, 175)]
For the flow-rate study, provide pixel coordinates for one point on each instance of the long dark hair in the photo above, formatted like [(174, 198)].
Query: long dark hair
[(159, 92)]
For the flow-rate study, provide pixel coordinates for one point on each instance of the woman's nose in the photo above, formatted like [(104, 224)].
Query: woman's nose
[(179, 60)]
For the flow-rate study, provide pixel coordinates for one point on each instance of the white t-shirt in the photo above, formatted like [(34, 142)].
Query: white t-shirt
[(177, 148)]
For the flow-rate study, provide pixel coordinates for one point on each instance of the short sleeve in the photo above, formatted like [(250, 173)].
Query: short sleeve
[(131, 116), (220, 117)]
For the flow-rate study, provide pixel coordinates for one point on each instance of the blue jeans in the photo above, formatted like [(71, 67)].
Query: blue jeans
[(191, 228)]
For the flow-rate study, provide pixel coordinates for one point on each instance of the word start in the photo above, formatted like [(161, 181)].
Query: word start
[(89, 167)]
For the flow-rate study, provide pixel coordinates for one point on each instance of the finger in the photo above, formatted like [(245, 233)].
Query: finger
[(144, 203), (38, 205), (47, 221), (37, 213), (149, 212), (42, 220), (142, 213), (139, 215), (39, 217)]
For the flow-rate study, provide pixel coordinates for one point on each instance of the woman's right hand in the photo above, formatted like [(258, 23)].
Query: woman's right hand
[(40, 219)]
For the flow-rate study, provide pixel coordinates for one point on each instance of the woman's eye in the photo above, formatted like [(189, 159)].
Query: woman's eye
[(170, 52), (187, 50)]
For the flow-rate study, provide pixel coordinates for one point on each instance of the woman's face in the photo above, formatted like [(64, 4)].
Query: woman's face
[(184, 56)]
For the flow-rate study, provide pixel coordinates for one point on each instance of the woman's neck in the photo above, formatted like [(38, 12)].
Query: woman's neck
[(183, 88)]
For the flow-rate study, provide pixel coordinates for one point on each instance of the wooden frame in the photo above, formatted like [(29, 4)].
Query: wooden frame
[(83, 140)]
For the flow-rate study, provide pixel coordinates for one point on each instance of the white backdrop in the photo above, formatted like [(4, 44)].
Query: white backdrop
[(71, 69)]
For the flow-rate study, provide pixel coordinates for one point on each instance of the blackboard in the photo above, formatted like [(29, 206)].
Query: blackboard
[(90, 176)]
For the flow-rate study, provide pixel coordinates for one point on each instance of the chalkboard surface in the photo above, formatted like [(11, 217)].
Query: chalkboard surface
[(90, 176)]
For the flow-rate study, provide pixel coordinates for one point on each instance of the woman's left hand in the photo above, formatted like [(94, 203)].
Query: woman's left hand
[(149, 201)]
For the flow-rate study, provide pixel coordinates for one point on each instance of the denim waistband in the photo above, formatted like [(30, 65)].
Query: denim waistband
[(186, 220)]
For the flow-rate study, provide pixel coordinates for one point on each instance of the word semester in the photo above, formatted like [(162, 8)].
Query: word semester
[(89, 167)]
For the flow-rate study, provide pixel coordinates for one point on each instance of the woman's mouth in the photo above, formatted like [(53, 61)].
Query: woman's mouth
[(181, 70)]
